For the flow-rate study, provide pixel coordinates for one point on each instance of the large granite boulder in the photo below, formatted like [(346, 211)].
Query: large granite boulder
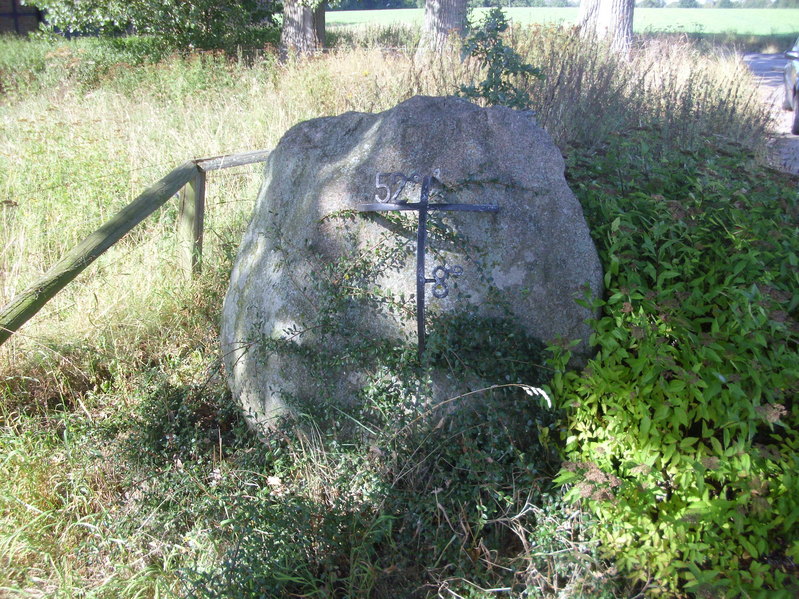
[(319, 292)]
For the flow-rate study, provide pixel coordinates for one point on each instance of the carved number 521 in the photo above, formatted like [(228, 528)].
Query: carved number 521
[(390, 181)]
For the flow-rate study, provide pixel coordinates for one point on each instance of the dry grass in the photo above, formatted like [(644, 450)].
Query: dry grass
[(70, 160)]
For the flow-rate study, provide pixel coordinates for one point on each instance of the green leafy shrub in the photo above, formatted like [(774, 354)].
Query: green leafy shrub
[(494, 349), (455, 502), (683, 430), (399, 486), (199, 24), (506, 73)]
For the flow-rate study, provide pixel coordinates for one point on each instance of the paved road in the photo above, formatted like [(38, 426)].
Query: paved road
[(768, 68)]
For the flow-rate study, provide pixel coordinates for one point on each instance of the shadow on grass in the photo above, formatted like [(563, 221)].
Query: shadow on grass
[(460, 501)]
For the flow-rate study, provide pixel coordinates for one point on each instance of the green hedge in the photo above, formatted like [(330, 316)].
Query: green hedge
[(682, 431)]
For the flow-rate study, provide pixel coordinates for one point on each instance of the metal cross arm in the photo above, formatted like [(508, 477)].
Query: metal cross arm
[(382, 207), (391, 203)]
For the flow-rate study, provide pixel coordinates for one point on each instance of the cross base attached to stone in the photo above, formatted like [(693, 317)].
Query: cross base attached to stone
[(422, 207)]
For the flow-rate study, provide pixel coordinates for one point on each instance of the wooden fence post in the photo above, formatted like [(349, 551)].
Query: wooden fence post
[(189, 177), (30, 301), (190, 224)]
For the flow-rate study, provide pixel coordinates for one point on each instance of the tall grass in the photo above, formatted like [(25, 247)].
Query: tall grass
[(71, 158), (123, 456)]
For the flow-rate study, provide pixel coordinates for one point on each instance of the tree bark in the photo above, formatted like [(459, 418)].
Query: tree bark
[(610, 20), (303, 27), (442, 18)]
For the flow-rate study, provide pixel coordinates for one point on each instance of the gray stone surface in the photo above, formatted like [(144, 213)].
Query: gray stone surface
[(534, 257)]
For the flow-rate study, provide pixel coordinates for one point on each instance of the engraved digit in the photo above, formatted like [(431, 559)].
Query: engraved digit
[(398, 180), (379, 186)]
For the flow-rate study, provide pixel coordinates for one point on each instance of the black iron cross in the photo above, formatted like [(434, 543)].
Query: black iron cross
[(393, 185)]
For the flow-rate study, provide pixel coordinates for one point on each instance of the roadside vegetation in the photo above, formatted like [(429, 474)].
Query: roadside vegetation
[(667, 467)]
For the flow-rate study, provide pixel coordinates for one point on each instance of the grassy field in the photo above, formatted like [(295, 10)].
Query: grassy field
[(126, 469), (646, 20)]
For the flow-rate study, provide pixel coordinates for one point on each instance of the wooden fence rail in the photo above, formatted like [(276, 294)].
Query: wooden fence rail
[(189, 177)]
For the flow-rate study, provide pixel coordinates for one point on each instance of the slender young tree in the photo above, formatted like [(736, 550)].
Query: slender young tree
[(610, 20), (303, 26), (442, 18)]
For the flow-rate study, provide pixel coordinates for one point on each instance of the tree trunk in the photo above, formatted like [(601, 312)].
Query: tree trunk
[(610, 20), (442, 18), (303, 28)]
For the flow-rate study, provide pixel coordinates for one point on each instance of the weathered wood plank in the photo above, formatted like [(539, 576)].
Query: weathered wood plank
[(30, 301), (231, 160), (190, 225)]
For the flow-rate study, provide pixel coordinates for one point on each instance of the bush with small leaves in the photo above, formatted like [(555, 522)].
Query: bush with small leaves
[(683, 430), (193, 25), (506, 72)]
